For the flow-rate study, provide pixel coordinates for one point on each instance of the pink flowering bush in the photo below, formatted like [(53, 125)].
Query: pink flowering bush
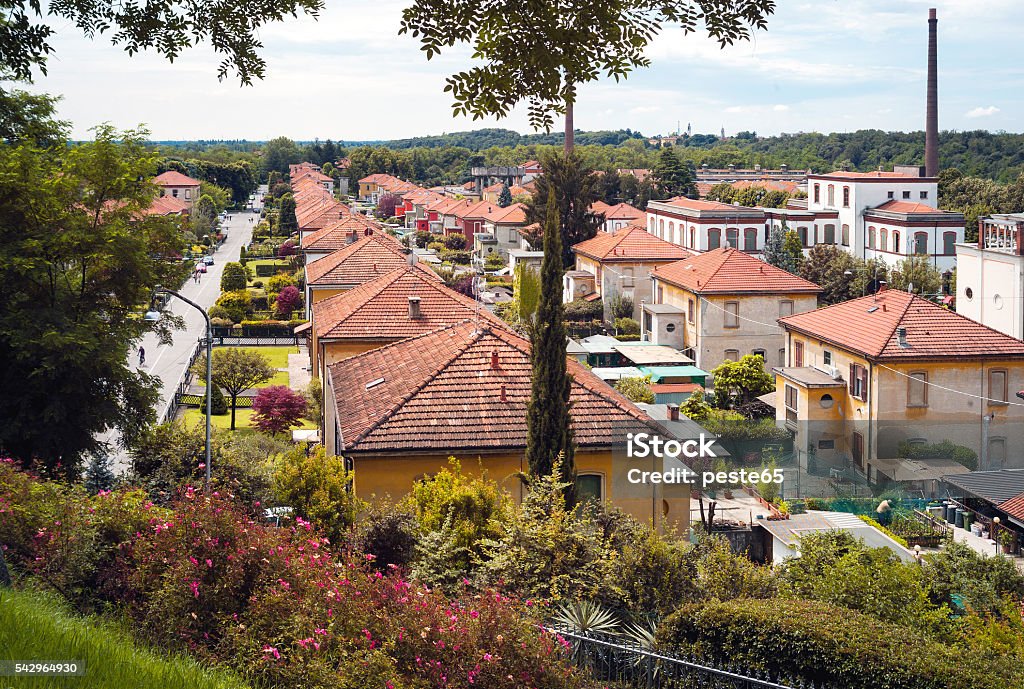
[(277, 604)]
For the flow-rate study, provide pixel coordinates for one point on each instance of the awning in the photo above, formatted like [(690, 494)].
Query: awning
[(303, 328), (659, 373)]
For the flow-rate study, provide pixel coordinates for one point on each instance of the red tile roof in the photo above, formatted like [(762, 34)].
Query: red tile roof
[(1014, 506), (379, 309), (366, 259), (439, 392), (868, 326), (731, 271), (908, 207), (669, 388), (511, 215), (173, 178), (167, 205), (337, 234), (623, 211), (703, 205), (631, 243)]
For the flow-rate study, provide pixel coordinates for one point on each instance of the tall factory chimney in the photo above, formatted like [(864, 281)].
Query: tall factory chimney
[(931, 132)]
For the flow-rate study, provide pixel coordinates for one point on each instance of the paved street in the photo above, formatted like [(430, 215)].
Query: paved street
[(168, 362)]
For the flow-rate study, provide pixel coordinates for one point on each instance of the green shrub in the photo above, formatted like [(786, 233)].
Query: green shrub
[(257, 284), (581, 310), (318, 487), (825, 644), (278, 282), (627, 326), (494, 261), (423, 238), (696, 407), (636, 388), (218, 312), (236, 305), (233, 278), (944, 450), (219, 406), (457, 257), (436, 247), (389, 534), (455, 242)]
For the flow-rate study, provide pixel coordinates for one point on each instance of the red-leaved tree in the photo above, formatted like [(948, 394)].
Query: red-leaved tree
[(277, 408), (386, 205), (287, 301)]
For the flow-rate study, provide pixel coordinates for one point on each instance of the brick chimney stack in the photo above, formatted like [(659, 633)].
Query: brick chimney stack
[(931, 132)]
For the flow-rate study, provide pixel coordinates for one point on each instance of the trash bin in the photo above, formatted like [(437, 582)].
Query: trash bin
[(951, 514), (960, 519)]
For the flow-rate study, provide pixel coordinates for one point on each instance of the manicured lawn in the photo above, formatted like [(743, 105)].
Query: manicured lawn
[(243, 417), (38, 627)]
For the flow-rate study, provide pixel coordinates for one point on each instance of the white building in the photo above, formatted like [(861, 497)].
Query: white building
[(886, 215), (990, 275)]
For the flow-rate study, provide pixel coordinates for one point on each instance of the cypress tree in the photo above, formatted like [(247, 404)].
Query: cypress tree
[(287, 221), (549, 432), (505, 197)]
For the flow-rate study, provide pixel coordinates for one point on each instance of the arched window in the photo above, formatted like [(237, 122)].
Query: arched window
[(714, 238), (846, 197), (831, 195), (895, 242), (920, 242), (846, 235), (671, 228), (661, 229), (732, 237), (830, 234), (883, 243), (651, 230), (693, 237), (871, 237), (949, 243), (750, 239), (817, 193)]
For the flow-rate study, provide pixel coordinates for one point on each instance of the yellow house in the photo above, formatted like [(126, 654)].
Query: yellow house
[(368, 258), (396, 413), (619, 264), (868, 379), (408, 301), (722, 304)]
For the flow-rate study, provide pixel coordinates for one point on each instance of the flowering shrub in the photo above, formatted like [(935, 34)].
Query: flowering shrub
[(275, 603), (288, 299)]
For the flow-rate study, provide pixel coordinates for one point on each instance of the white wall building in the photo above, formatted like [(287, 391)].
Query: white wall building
[(886, 215), (990, 275)]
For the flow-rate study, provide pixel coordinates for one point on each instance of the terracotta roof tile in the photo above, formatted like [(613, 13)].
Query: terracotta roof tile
[(173, 178), (379, 309), (868, 325), (622, 211), (167, 205), (702, 205), (366, 259), (730, 271), (439, 392), (511, 215), (631, 243), (339, 234), (907, 207), (1014, 506)]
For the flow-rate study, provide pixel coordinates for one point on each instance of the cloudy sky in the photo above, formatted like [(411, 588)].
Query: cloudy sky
[(829, 65)]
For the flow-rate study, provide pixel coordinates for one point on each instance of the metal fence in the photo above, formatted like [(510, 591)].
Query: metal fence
[(621, 663)]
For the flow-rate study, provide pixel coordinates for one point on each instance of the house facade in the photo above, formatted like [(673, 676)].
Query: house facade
[(619, 265), (178, 186), (722, 304), (867, 379), (397, 413), (990, 275)]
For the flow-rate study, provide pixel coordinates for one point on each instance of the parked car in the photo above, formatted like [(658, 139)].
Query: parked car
[(208, 260), (201, 267)]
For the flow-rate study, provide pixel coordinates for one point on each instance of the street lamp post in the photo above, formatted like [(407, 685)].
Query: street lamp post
[(154, 315), (995, 539)]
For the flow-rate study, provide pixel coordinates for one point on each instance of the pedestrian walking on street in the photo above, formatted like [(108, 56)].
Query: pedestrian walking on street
[(142, 357)]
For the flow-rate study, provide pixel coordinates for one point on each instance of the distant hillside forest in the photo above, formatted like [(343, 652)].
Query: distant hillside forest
[(447, 158)]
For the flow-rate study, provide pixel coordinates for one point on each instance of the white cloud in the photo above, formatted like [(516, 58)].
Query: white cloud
[(982, 112), (780, 107), (644, 109)]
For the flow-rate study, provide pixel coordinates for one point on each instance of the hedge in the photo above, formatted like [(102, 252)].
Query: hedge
[(265, 270), (581, 310), (825, 644)]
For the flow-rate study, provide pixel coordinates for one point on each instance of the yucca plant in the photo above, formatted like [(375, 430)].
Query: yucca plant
[(642, 636), (586, 617)]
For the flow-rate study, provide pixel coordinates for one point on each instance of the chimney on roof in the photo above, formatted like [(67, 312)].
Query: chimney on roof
[(673, 412), (931, 129), (494, 359), (414, 308), (502, 394), (901, 335)]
